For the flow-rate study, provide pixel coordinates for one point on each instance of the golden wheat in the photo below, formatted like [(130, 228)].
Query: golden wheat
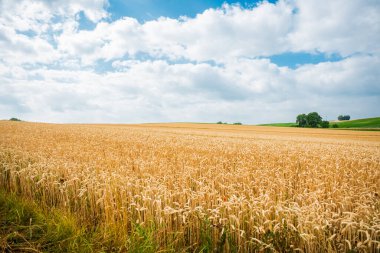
[(238, 187)]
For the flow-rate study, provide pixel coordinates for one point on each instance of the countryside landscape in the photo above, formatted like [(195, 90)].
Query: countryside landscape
[(192, 126)]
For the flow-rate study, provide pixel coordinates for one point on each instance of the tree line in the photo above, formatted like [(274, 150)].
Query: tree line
[(344, 117), (313, 119)]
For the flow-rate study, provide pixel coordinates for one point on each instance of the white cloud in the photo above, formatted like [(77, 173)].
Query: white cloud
[(356, 76), (208, 68), (343, 27), (216, 34), (232, 32), (246, 90), (107, 41), (36, 15), (27, 28), (25, 15), (19, 48)]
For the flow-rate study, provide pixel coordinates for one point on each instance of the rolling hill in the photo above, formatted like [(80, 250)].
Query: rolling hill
[(367, 123), (359, 123)]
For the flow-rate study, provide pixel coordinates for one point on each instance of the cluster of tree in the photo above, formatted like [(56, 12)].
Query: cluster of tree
[(236, 123), (312, 119), (344, 117), (14, 119)]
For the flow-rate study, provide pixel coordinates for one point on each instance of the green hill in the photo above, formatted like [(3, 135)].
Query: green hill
[(359, 123), (356, 123)]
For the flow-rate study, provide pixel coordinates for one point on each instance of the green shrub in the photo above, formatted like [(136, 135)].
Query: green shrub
[(14, 119), (325, 124)]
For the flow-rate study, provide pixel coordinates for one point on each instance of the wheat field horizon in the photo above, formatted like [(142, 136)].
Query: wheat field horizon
[(201, 188)]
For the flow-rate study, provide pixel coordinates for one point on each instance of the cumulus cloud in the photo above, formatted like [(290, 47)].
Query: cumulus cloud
[(233, 32), (19, 48), (216, 34), (343, 27), (37, 15), (157, 91), (355, 76), (212, 67)]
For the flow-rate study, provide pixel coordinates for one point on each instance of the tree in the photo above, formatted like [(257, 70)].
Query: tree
[(301, 120), (325, 124), (14, 119), (313, 119), (344, 117)]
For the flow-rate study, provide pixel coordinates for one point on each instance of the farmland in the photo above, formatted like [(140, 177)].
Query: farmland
[(197, 187)]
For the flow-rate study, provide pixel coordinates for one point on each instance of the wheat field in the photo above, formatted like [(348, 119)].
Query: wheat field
[(202, 187)]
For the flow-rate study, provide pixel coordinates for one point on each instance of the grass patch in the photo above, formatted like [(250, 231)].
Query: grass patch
[(359, 123), (368, 124), (25, 227)]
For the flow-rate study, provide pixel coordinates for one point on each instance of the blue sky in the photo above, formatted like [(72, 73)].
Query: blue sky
[(129, 61), (145, 10), (293, 60)]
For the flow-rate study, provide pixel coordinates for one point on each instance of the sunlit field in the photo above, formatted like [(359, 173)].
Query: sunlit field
[(201, 187)]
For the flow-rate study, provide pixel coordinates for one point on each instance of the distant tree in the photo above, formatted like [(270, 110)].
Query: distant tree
[(219, 122), (313, 119), (325, 124), (14, 119), (335, 126), (301, 120), (344, 117), (238, 123)]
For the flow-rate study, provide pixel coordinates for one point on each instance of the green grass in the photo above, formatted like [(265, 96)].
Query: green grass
[(25, 227), (359, 123), (291, 124)]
